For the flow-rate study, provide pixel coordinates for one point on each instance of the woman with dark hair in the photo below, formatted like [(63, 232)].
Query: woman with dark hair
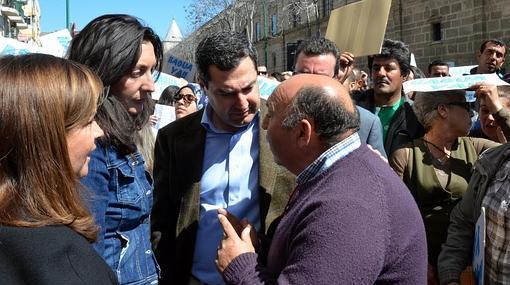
[(45, 229), (124, 54), (186, 100), (167, 96)]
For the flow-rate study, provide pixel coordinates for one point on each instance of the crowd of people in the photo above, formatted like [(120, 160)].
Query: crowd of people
[(339, 177)]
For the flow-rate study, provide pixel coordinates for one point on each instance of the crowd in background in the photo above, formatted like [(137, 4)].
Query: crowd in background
[(338, 177)]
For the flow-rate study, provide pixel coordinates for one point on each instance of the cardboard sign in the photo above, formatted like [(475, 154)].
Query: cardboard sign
[(359, 27), (163, 82), (180, 68), (479, 248), (450, 83), (266, 86)]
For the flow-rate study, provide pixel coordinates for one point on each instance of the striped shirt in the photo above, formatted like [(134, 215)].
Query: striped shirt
[(327, 158), (496, 203)]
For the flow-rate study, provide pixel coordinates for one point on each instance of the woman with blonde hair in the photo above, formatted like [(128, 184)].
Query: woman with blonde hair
[(47, 128)]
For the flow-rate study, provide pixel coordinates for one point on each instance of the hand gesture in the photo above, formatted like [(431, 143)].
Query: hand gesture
[(232, 244), (490, 94), (346, 65)]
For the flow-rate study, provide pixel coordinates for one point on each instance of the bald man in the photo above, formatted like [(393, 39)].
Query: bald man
[(337, 228)]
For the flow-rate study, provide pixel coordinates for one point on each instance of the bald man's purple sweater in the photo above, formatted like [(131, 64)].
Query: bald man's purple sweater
[(355, 223)]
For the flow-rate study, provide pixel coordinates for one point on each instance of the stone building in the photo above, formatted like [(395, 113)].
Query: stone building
[(451, 30)]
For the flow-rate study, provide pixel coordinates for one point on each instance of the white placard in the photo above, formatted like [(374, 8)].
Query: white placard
[(451, 83), (479, 248), (266, 86), (166, 115)]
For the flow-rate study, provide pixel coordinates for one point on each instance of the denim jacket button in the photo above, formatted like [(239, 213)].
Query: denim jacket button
[(148, 251), (133, 163)]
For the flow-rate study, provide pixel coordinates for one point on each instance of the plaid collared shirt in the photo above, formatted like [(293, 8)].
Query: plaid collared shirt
[(327, 158), (497, 238)]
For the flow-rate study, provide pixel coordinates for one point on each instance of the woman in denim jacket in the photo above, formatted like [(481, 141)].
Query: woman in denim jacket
[(124, 54)]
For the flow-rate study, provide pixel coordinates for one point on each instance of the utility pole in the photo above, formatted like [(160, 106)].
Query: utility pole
[(67, 15)]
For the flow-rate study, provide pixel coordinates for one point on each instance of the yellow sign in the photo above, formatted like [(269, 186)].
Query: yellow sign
[(359, 27)]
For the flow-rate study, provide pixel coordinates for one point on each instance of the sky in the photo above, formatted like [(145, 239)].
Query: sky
[(157, 14)]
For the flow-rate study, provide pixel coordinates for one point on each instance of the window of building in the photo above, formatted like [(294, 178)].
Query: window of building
[(274, 25), (257, 31), (296, 19), (436, 32), (274, 61), (327, 6)]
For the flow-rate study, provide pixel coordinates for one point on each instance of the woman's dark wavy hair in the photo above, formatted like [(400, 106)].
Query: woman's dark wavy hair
[(111, 46)]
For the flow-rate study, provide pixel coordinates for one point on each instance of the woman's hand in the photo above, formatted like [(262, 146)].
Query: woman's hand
[(490, 94)]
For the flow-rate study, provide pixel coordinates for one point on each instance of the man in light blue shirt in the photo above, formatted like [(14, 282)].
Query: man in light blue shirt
[(214, 158)]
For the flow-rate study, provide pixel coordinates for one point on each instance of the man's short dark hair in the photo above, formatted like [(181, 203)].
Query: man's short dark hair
[(497, 42), (396, 50), (319, 46), (437, 62), (330, 116), (224, 50)]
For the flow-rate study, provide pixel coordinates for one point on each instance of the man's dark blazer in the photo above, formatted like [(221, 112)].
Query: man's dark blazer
[(178, 164)]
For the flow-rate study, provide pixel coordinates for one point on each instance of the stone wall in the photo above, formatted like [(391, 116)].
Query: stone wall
[(464, 26)]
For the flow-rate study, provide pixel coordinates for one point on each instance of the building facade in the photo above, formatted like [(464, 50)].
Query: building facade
[(450, 30), (20, 19)]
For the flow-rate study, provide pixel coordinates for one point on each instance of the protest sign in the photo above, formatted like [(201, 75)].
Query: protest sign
[(180, 68), (450, 83), (165, 114), (266, 86), (163, 82), (460, 70), (56, 43), (479, 248), (13, 47), (359, 27)]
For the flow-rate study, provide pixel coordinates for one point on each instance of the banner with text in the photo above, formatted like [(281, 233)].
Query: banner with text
[(180, 68), (450, 83)]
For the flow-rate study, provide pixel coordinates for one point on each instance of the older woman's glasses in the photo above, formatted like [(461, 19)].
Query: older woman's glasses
[(188, 98)]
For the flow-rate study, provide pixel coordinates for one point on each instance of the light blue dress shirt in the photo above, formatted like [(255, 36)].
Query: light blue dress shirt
[(229, 180)]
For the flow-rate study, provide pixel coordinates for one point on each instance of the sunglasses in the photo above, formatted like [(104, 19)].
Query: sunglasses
[(188, 98)]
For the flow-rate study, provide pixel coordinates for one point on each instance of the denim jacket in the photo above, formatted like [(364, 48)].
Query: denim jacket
[(121, 202)]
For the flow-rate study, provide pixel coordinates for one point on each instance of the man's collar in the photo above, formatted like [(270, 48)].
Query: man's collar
[(208, 124)]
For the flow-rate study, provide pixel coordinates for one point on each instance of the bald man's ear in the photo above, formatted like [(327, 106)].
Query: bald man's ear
[(304, 132)]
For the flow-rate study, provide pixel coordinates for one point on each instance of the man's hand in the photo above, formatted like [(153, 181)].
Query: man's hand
[(240, 225), (232, 244), (346, 66), (490, 94)]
